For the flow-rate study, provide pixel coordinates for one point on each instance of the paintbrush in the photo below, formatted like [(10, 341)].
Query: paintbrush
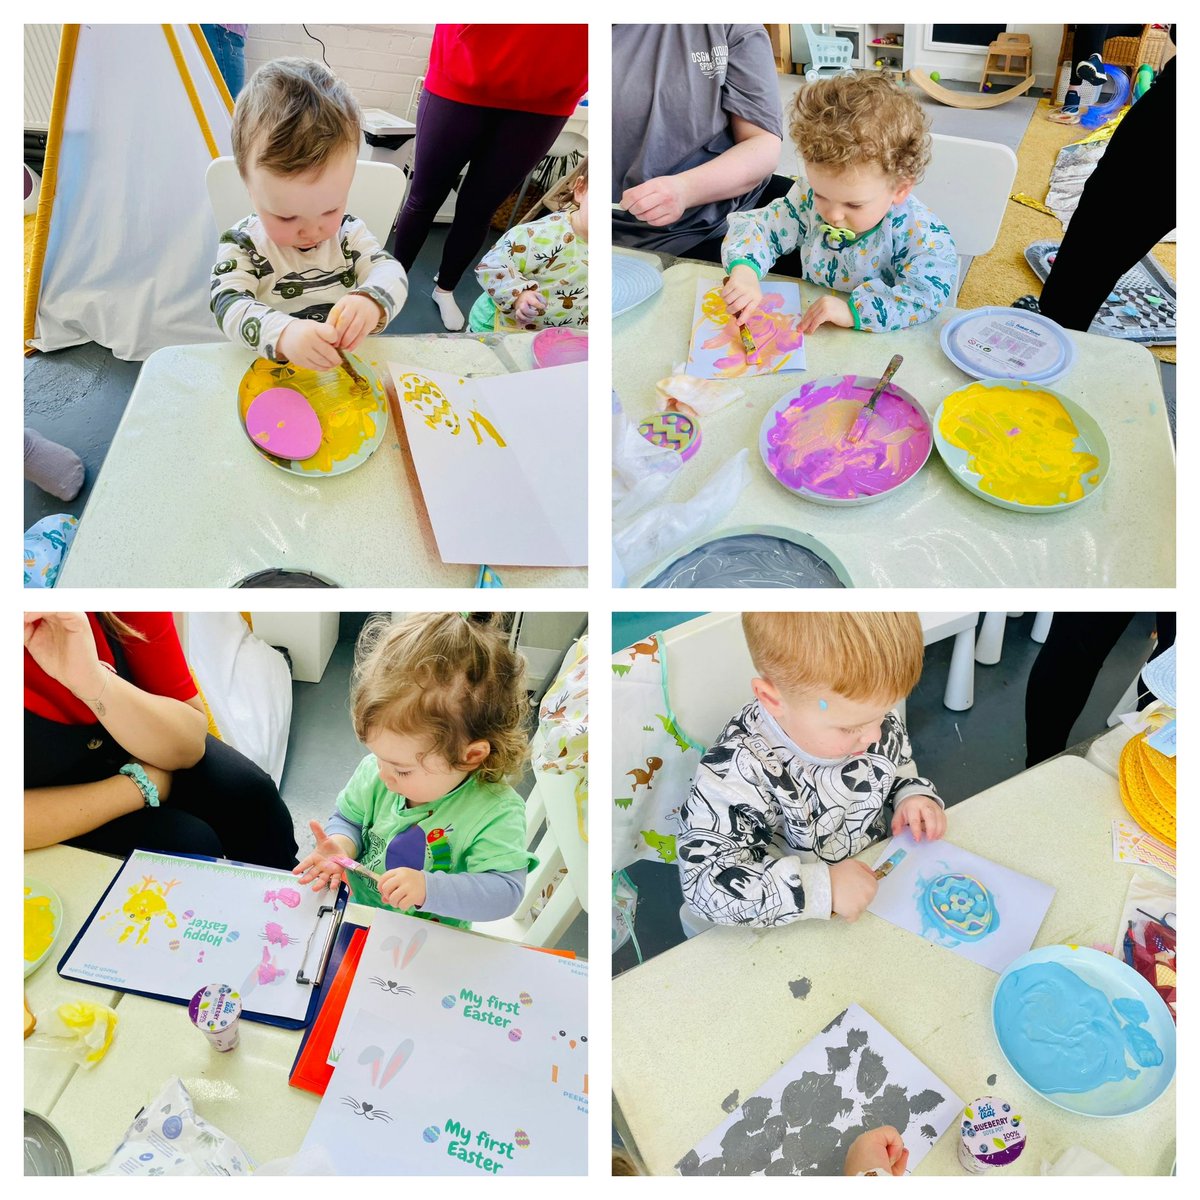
[(748, 347), (348, 864), (893, 861), (359, 381), (864, 417)]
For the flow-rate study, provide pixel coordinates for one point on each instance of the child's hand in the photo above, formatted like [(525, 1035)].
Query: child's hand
[(853, 886), (742, 293), (402, 887), (828, 310), (921, 814), (309, 344), (319, 865), (529, 306), (659, 201), (354, 317), (881, 1150)]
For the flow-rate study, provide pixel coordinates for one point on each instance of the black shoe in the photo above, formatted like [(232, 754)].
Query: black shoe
[(1091, 70), (1029, 303)]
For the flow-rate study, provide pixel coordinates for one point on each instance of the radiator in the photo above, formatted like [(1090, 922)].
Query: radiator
[(41, 62)]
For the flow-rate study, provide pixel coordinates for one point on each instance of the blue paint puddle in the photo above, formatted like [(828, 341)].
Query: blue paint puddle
[(1064, 1035), (955, 908)]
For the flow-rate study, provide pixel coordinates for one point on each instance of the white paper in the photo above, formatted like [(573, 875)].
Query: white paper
[(990, 916), (851, 1077), (170, 925), (502, 462), (715, 350), (447, 1031)]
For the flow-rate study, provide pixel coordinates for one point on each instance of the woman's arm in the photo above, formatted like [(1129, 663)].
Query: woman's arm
[(161, 730), (753, 156), (57, 814)]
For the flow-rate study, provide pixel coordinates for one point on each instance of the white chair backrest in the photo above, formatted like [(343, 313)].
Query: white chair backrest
[(708, 673), (375, 195), (967, 185), (709, 667)]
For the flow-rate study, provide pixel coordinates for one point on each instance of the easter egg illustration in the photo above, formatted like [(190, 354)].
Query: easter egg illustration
[(232, 937), (447, 1001), (514, 1035), (174, 943), (432, 1133), (172, 1127), (525, 998), (960, 907), (187, 916), (521, 1138)]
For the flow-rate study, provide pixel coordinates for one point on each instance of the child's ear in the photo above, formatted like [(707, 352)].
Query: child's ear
[(767, 695), (476, 753), (903, 192)]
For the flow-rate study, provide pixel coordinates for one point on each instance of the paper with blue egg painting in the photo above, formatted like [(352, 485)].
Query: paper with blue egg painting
[(853, 1076), (968, 904)]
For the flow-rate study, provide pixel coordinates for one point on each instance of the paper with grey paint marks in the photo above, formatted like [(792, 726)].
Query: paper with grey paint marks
[(853, 1076)]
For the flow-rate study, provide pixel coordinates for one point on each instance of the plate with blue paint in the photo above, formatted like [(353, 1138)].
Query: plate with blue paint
[(1084, 1031)]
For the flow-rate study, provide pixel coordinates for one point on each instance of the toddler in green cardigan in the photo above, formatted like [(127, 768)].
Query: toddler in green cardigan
[(438, 700)]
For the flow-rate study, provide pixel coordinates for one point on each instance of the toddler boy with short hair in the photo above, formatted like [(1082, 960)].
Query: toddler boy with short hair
[(300, 278), (853, 220), (817, 767)]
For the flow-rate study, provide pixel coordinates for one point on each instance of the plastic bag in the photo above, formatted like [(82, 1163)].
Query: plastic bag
[(624, 911), (650, 538), (168, 1137), (1075, 1160), (642, 471)]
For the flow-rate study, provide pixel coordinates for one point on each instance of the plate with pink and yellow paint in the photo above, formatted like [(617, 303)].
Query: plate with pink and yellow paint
[(1021, 445), (804, 442)]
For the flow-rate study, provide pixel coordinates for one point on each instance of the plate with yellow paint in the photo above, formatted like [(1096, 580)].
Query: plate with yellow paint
[(43, 923), (1021, 445), (353, 415)]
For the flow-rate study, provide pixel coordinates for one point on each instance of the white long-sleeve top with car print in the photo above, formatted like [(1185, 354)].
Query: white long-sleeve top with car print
[(897, 274), (258, 287), (764, 819)]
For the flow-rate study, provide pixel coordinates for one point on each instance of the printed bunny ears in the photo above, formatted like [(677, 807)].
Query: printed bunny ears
[(394, 945), (374, 1056)]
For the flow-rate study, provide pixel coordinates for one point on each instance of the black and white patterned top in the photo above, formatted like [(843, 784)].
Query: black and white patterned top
[(764, 819)]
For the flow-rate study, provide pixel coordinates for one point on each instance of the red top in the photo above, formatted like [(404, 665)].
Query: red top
[(156, 665), (530, 68)]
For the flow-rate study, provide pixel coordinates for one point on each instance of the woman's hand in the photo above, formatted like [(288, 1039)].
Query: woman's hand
[(63, 645), (659, 201)]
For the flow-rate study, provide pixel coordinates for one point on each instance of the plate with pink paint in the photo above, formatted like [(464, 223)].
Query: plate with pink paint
[(803, 441), (558, 346)]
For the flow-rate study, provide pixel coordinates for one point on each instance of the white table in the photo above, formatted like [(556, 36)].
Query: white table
[(183, 500), (245, 1093), (933, 532), (716, 1014)]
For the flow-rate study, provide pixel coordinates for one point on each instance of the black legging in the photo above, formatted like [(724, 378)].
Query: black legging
[(1101, 243), (1065, 670), (1090, 39), (502, 145)]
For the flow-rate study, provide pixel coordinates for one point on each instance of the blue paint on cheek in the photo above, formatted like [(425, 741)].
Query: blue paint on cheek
[(1064, 1035), (822, 705)]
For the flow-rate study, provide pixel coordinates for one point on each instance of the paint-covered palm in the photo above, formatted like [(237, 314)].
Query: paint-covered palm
[(319, 865)]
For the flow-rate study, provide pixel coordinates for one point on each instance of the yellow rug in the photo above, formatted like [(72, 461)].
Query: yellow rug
[(1001, 275)]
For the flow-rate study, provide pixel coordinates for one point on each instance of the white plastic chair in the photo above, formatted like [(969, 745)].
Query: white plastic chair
[(552, 801), (967, 185), (375, 195)]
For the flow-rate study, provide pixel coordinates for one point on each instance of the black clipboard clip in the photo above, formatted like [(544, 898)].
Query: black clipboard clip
[(338, 909)]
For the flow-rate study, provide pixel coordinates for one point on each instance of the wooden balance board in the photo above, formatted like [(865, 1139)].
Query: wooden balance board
[(969, 99)]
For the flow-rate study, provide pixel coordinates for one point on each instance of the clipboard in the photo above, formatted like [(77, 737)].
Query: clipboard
[(313, 967)]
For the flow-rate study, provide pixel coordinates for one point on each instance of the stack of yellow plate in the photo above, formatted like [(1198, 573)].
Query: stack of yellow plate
[(1148, 788)]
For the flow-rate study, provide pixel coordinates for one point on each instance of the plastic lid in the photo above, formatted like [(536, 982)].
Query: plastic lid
[(1008, 343)]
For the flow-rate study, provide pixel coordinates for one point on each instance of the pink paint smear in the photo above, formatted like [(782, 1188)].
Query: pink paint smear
[(807, 446), (775, 334)]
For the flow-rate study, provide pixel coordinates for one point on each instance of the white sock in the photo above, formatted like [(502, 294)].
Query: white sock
[(452, 316)]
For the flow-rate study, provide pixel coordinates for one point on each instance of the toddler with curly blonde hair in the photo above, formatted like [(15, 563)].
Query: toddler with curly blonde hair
[(439, 701), (853, 220)]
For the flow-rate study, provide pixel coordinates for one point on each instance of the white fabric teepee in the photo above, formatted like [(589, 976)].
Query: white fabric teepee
[(125, 237)]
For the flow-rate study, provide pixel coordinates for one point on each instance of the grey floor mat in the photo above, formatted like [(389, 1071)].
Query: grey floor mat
[(1129, 312)]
